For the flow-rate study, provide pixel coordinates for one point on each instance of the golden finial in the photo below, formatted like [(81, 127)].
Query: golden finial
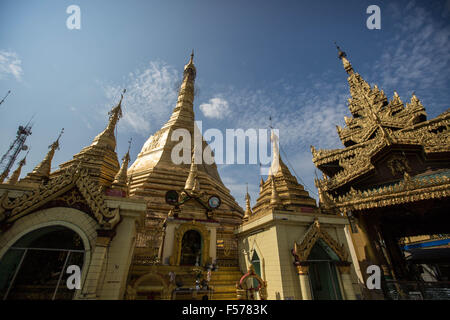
[(42, 170), (189, 68), (120, 180), (16, 174), (56, 143), (248, 210), (343, 56), (116, 112), (106, 138)]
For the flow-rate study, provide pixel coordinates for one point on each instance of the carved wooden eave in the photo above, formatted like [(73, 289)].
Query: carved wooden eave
[(405, 191), (74, 178), (433, 136), (313, 234)]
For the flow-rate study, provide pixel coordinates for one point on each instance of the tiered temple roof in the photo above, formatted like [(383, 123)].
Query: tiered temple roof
[(100, 158), (42, 171), (375, 126), (281, 190)]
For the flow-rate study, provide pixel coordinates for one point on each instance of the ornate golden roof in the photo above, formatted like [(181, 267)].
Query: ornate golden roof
[(16, 174), (120, 180), (312, 235), (42, 171), (100, 158), (377, 123), (281, 190), (61, 187), (410, 189)]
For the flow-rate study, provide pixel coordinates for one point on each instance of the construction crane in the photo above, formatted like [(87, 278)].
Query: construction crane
[(7, 94), (18, 145)]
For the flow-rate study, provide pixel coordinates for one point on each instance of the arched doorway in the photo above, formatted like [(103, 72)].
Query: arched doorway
[(256, 262), (191, 248), (323, 273), (35, 266)]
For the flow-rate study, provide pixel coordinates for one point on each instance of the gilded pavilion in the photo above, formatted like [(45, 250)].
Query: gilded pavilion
[(160, 230), (392, 180)]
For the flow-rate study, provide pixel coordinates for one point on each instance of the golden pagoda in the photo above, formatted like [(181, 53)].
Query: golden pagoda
[(74, 215), (168, 227)]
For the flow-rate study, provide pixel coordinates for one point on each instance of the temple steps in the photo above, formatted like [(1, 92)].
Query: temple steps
[(224, 281)]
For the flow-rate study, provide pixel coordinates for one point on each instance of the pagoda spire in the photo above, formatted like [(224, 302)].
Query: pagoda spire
[(107, 138), (184, 109), (100, 157), (120, 180), (343, 56), (275, 166), (42, 170), (16, 174), (248, 210)]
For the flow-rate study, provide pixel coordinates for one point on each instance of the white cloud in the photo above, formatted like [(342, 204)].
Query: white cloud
[(10, 64), (216, 108), (416, 57), (304, 116), (150, 97)]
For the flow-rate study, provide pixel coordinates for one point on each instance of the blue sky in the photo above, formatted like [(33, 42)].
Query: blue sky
[(254, 59)]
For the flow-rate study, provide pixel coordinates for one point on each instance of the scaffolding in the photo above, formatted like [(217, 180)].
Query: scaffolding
[(15, 148)]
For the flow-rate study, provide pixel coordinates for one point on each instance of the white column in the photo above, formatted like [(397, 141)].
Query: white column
[(90, 287), (347, 282), (304, 281)]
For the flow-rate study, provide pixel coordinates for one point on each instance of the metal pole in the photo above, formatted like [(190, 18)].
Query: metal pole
[(60, 275), (15, 274)]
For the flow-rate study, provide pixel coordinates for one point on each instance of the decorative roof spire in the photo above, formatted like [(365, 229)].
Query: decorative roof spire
[(343, 56), (107, 138), (248, 210), (42, 170), (16, 174), (275, 166), (189, 69), (120, 180), (261, 184)]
